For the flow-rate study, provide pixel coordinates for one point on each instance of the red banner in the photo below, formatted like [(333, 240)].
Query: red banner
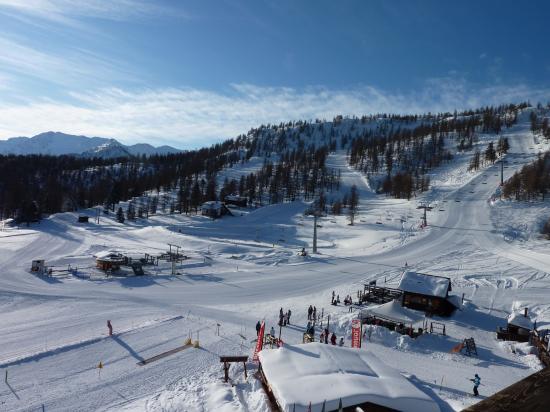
[(259, 343), (356, 333)]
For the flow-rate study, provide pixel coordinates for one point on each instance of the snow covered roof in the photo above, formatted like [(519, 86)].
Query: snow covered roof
[(395, 312), (518, 319), (108, 254), (315, 372), (235, 197), (212, 204), (424, 284)]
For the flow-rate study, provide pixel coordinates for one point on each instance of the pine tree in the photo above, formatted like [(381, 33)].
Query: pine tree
[(353, 204), (120, 215)]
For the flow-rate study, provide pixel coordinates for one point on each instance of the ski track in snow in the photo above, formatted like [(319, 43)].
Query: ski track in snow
[(245, 268)]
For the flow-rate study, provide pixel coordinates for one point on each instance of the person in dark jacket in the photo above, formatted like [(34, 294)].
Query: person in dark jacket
[(309, 312), (326, 335), (333, 338), (258, 327), (288, 316)]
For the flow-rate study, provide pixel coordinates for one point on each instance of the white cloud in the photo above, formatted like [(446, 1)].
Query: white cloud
[(187, 117), (69, 11), (73, 67)]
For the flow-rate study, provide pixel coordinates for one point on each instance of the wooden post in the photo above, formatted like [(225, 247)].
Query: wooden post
[(226, 370)]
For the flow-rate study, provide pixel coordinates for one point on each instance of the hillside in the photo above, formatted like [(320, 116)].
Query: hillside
[(243, 268)]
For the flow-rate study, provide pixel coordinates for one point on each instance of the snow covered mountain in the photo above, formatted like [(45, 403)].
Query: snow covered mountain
[(56, 143)]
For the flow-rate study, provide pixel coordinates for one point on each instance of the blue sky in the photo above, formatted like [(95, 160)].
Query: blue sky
[(189, 73)]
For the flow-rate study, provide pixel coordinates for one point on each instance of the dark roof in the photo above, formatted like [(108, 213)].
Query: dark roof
[(530, 394)]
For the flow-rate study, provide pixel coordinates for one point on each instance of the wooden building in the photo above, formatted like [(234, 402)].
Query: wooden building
[(427, 293), (110, 260), (214, 209), (315, 377), (236, 200), (519, 327)]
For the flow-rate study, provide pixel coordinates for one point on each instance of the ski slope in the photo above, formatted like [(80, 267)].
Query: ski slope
[(245, 268)]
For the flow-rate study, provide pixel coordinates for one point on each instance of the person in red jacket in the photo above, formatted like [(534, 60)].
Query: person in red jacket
[(333, 338)]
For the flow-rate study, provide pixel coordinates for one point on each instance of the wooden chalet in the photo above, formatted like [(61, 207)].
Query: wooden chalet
[(109, 260), (214, 209), (428, 293), (315, 377), (530, 394), (236, 200), (519, 328)]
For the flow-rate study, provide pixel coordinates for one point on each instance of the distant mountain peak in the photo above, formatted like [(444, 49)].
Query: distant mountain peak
[(58, 143)]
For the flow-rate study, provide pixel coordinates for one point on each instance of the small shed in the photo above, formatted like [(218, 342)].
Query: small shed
[(110, 260), (428, 293), (83, 219), (38, 266), (236, 200), (310, 377), (519, 327), (214, 209)]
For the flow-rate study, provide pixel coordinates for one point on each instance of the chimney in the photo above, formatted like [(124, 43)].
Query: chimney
[(525, 312)]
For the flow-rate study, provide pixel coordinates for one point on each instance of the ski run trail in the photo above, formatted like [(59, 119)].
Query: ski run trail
[(242, 269)]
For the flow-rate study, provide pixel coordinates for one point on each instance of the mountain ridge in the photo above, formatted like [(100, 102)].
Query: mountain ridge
[(58, 143)]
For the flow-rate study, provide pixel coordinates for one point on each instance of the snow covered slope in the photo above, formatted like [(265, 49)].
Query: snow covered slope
[(243, 268)]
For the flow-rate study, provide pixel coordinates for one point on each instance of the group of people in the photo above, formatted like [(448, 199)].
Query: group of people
[(335, 299), (312, 313), (326, 336), (284, 317)]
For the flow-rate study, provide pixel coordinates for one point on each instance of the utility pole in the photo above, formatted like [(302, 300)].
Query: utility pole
[(426, 208), (501, 161), (316, 215)]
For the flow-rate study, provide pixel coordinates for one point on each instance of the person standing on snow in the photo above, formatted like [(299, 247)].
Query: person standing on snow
[(477, 382), (314, 315), (322, 337), (258, 327), (272, 332), (288, 316), (341, 343), (333, 339), (309, 312)]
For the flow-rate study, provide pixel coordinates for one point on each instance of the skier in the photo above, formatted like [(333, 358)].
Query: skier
[(341, 343), (285, 319), (477, 382), (110, 328), (322, 337), (332, 300), (258, 327), (326, 335), (272, 332), (309, 312), (288, 316), (333, 339), (314, 314)]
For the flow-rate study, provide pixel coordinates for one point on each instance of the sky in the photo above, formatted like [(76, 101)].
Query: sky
[(191, 73)]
